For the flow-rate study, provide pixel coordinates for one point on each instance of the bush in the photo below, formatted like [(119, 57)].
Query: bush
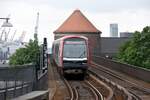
[(137, 50), (29, 54)]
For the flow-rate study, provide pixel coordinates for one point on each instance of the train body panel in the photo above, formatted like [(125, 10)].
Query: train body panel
[(71, 54)]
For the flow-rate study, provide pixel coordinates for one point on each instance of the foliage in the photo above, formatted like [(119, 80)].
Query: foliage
[(137, 50), (29, 54)]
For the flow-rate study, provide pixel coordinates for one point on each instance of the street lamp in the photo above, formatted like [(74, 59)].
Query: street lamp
[(6, 23)]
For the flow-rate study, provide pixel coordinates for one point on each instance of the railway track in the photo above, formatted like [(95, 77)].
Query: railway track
[(89, 89), (74, 89), (92, 88), (83, 90), (135, 90)]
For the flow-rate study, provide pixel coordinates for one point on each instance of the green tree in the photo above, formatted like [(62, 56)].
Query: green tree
[(29, 54), (137, 50)]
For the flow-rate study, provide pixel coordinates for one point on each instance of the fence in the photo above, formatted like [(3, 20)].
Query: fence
[(16, 81), (19, 80)]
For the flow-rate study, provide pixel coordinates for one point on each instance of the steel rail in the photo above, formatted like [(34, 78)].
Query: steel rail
[(119, 77), (94, 92), (70, 89), (76, 93), (96, 77), (100, 97), (125, 80), (135, 96)]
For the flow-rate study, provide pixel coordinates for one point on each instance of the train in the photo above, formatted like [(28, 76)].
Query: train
[(71, 54)]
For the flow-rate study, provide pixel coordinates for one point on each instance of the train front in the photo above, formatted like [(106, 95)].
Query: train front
[(75, 56)]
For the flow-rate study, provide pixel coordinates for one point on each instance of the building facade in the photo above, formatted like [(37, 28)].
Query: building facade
[(126, 34), (110, 45), (9, 48), (114, 30), (78, 24)]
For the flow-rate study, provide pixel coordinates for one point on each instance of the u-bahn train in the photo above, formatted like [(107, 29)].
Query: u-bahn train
[(71, 54)]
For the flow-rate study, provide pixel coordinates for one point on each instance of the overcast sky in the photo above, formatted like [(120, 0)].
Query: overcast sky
[(130, 15)]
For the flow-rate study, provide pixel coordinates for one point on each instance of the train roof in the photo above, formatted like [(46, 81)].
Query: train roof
[(71, 36)]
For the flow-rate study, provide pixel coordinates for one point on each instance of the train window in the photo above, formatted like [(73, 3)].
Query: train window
[(75, 49), (56, 52)]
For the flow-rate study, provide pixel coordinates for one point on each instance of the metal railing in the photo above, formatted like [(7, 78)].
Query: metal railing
[(16, 81), (18, 88), (19, 80)]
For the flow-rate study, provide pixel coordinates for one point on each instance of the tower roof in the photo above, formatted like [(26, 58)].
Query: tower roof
[(77, 22)]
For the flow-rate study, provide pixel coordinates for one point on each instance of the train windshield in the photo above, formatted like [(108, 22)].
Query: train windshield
[(75, 49)]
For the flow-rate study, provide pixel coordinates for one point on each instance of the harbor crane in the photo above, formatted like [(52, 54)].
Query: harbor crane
[(6, 19), (22, 36), (12, 37), (36, 27)]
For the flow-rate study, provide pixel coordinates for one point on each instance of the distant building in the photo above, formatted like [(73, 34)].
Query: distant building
[(126, 34), (110, 45), (113, 30), (9, 48)]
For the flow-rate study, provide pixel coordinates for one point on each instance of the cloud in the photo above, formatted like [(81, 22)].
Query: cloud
[(90, 5), (129, 14), (101, 5)]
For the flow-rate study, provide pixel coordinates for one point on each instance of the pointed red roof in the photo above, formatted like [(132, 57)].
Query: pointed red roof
[(77, 22)]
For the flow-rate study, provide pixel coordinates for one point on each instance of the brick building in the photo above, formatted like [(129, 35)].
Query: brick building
[(78, 24)]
